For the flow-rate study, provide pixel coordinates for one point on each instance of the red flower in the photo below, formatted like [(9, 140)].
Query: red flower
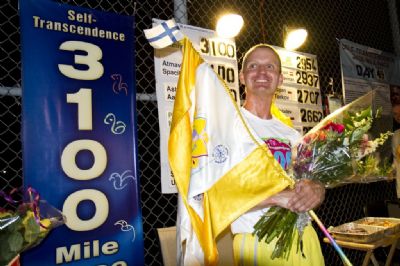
[(339, 128), (307, 139), (306, 153)]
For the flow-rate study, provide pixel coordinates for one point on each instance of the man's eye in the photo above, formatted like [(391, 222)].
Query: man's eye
[(252, 66)]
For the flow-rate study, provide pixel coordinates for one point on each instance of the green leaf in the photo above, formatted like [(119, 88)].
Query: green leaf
[(364, 114), (15, 242), (4, 247), (32, 229), (358, 133), (5, 253)]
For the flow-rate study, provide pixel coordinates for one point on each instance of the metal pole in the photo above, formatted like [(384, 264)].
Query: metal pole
[(394, 21), (12, 91), (180, 11), (16, 91)]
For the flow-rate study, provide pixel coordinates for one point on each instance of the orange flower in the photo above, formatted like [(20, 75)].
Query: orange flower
[(322, 136)]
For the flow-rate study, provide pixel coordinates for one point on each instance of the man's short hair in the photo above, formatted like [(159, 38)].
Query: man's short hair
[(261, 45)]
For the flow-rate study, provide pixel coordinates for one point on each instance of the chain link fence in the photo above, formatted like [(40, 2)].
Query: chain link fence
[(365, 22)]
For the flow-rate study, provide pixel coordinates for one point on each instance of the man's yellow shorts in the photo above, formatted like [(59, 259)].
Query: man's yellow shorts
[(248, 250)]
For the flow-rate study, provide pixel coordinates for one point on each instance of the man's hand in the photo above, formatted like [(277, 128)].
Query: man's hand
[(308, 195), (305, 196)]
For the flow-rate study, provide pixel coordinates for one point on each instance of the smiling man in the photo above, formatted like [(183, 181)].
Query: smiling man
[(261, 75)]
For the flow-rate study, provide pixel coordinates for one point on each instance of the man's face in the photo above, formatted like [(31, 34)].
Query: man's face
[(396, 112), (261, 74)]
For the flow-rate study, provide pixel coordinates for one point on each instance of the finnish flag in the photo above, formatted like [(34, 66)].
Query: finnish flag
[(164, 34)]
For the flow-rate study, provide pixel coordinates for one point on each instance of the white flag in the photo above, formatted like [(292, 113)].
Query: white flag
[(164, 34)]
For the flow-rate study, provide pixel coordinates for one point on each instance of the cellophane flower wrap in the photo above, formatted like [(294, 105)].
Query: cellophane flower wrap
[(26, 225), (338, 150)]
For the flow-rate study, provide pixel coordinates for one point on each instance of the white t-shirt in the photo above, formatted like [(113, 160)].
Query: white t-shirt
[(279, 138)]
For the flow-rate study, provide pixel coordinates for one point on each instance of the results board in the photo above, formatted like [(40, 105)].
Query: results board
[(299, 97)]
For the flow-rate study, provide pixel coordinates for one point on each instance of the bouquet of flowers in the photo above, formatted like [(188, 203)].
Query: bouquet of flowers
[(26, 226), (338, 150)]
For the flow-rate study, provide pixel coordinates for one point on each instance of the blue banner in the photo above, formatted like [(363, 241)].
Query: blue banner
[(79, 132)]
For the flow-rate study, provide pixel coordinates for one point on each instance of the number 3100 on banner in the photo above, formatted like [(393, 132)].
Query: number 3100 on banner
[(83, 98)]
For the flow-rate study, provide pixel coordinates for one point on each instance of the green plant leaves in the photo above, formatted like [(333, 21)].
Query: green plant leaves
[(18, 232)]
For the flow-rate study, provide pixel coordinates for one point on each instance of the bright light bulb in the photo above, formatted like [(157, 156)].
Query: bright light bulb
[(295, 39), (228, 26)]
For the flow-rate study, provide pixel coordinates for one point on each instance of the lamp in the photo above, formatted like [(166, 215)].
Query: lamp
[(229, 25), (294, 37)]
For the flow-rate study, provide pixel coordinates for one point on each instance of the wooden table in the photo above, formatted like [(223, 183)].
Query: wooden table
[(370, 247)]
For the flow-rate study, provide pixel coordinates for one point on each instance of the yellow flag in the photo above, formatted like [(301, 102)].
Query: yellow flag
[(221, 168)]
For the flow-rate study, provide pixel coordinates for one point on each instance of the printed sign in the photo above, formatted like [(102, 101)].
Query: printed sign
[(79, 132), (365, 69)]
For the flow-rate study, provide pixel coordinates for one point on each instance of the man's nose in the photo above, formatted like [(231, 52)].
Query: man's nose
[(262, 68)]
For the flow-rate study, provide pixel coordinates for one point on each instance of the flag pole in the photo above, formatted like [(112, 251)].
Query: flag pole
[(345, 260)]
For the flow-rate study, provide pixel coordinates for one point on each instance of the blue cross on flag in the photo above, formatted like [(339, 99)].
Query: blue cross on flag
[(164, 34)]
